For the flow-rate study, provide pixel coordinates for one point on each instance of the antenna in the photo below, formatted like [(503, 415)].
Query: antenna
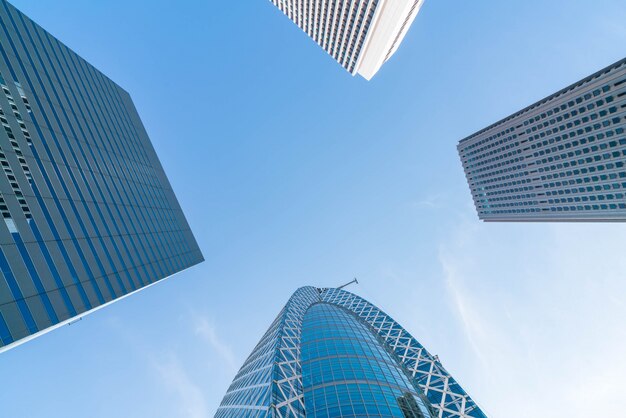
[(348, 284)]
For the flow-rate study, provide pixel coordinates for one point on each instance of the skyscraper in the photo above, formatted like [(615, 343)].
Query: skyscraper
[(361, 35), (88, 214), (329, 354), (560, 159)]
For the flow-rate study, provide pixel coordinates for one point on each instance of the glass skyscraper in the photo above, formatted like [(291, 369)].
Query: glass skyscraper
[(361, 35), (88, 213), (329, 354), (560, 159)]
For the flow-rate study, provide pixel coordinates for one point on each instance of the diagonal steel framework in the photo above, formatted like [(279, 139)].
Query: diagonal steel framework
[(270, 382)]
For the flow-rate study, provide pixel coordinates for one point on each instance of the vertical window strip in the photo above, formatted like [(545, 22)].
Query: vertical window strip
[(55, 198), (105, 223), (5, 335), (16, 292)]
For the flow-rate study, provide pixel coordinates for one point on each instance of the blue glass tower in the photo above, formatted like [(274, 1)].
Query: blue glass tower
[(87, 213), (330, 353)]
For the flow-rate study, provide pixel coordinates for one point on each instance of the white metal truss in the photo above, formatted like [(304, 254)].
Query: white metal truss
[(288, 392), (269, 385)]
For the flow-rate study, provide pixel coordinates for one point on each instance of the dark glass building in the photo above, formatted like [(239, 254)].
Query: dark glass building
[(330, 354), (88, 213)]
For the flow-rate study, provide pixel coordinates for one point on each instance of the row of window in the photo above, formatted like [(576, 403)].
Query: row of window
[(572, 154), (582, 141), (573, 134), (562, 184), (617, 196), (570, 104), (572, 208), (578, 180), (586, 119)]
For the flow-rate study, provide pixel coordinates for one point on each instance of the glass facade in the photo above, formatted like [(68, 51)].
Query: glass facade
[(330, 353), (563, 158), (88, 213), (346, 372)]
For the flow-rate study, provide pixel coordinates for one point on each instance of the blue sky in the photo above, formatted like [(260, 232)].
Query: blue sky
[(291, 172)]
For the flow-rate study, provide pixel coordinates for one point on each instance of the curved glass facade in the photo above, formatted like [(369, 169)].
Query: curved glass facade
[(346, 372)]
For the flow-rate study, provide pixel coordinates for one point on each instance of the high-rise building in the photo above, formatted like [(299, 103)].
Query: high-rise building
[(360, 34), (330, 353), (560, 159), (88, 214)]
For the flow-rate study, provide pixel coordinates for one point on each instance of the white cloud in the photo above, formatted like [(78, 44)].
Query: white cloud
[(542, 309)]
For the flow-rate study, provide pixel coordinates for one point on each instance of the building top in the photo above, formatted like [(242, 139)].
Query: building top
[(359, 34), (271, 383), (543, 101)]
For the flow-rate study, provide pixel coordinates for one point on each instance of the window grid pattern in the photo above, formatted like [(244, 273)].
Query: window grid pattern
[(285, 385), (563, 158), (347, 372), (89, 215), (339, 27)]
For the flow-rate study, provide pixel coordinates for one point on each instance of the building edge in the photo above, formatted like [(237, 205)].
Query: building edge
[(545, 100), (395, 20), (76, 318)]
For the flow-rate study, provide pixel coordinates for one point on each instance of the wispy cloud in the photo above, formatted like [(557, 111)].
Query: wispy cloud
[(206, 329), (174, 376), (537, 306), (430, 202), (184, 370), (473, 325)]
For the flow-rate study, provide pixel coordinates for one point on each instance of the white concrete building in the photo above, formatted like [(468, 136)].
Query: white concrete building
[(560, 159), (360, 34)]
